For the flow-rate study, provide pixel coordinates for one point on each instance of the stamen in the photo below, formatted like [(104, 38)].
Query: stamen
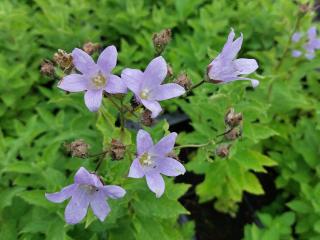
[(144, 94), (98, 81)]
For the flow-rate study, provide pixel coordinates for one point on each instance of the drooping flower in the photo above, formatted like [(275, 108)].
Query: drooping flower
[(94, 78), (312, 44), (152, 161), (226, 68), (147, 87), (86, 190)]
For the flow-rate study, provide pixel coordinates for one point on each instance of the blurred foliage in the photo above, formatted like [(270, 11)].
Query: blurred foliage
[(280, 127)]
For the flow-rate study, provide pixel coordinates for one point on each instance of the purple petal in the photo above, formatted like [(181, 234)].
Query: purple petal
[(165, 145), (156, 183), (108, 59), (99, 205), (230, 50), (245, 66), (113, 191), (296, 37), (73, 83), (136, 170), (84, 177), (144, 142), (83, 62), (76, 209), (310, 55), (115, 84), (170, 167), (153, 106), (254, 82), (155, 73), (133, 79), (93, 98), (167, 91), (64, 194), (296, 53), (312, 33)]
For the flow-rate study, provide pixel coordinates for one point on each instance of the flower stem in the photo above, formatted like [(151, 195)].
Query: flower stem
[(193, 145), (101, 158), (195, 86)]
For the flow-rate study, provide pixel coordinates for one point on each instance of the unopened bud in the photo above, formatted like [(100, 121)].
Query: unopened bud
[(47, 68), (233, 134), (77, 148), (161, 39), (90, 47), (183, 81), (117, 150), (232, 119), (223, 150), (63, 59), (304, 8), (146, 118), (169, 71)]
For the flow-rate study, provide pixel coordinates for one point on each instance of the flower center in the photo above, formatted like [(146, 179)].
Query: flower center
[(144, 94), (98, 81), (90, 189), (146, 160)]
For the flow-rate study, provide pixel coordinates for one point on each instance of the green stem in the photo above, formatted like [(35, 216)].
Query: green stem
[(193, 145), (195, 86)]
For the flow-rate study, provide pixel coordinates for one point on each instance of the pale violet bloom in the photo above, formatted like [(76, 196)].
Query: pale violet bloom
[(152, 161), (226, 68), (94, 78), (312, 44), (86, 190), (147, 87)]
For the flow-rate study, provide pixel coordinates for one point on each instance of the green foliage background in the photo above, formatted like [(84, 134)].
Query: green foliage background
[(280, 129)]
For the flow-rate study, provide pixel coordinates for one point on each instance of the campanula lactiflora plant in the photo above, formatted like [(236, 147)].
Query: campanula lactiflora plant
[(142, 119)]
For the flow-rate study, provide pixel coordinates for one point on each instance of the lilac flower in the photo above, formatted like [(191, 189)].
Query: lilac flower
[(147, 87), (226, 68), (94, 78), (152, 161), (312, 44), (86, 189)]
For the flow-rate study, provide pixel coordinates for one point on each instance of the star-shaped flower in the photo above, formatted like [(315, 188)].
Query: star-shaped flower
[(152, 161), (94, 78), (147, 87), (86, 190), (226, 68), (312, 44)]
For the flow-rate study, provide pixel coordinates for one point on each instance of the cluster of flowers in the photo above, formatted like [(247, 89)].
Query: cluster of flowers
[(152, 159), (309, 46)]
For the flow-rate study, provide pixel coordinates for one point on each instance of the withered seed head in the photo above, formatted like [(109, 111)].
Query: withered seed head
[(47, 68), (183, 81), (161, 39), (232, 119), (90, 47), (117, 149), (223, 150), (77, 148), (146, 118), (63, 59), (170, 71), (233, 134)]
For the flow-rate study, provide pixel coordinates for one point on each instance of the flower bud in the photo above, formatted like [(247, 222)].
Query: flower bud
[(233, 134), (117, 150), (183, 81), (304, 8), (146, 118), (77, 148), (90, 47), (232, 119), (170, 71), (47, 68), (63, 59), (222, 150), (161, 39)]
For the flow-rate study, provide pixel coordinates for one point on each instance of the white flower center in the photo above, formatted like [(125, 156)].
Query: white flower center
[(146, 160), (89, 188), (98, 81), (144, 94)]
